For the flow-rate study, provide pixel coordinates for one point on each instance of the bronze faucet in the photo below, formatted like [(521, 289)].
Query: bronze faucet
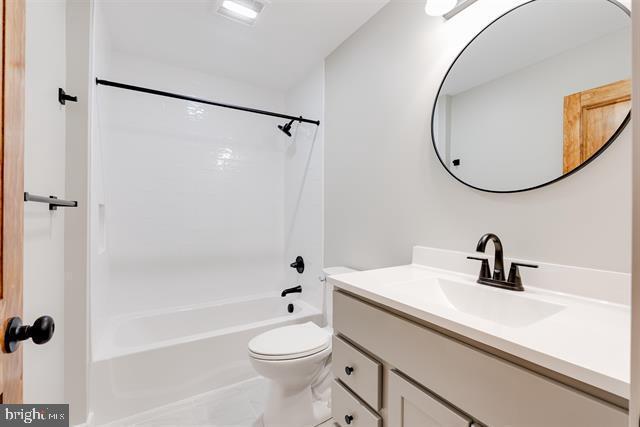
[(513, 282)]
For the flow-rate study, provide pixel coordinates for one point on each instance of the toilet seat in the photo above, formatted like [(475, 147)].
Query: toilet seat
[(290, 342)]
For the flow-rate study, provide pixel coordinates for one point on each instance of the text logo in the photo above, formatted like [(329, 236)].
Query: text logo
[(34, 415)]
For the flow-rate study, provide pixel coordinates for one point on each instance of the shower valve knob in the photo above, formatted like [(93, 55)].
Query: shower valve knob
[(40, 332), (298, 265), (348, 370), (348, 419)]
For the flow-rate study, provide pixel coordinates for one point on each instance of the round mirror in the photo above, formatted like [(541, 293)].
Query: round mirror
[(536, 95)]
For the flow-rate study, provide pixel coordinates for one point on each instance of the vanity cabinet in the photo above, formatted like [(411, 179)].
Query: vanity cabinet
[(411, 406), (429, 378)]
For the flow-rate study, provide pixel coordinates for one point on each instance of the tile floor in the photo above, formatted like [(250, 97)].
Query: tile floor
[(239, 405)]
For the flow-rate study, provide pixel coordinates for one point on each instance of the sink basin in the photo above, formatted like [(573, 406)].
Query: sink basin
[(504, 307)]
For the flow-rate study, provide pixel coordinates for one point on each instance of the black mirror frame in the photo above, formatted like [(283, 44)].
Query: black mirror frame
[(615, 135)]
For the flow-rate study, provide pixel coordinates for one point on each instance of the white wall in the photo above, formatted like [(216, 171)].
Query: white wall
[(491, 124), (303, 186), (634, 400), (385, 190), (79, 42), (44, 174), (193, 195), (98, 258), (55, 256)]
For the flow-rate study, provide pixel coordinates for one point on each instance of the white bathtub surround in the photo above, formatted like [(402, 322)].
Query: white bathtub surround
[(572, 334), (195, 246), (149, 360), (187, 212), (303, 187), (192, 196)]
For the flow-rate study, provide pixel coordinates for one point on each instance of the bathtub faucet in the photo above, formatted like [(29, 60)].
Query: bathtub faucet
[(294, 290)]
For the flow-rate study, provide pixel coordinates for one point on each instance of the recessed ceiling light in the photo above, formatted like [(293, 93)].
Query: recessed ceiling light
[(245, 11)]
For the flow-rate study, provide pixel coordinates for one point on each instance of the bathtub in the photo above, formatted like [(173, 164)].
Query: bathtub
[(148, 360)]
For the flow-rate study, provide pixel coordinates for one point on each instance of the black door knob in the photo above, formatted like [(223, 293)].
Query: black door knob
[(348, 419), (40, 332), (348, 370)]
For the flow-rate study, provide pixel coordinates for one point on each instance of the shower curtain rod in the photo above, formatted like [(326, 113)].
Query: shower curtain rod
[(204, 101)]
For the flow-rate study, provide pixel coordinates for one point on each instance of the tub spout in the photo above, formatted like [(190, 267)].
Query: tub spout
[(294, 290)]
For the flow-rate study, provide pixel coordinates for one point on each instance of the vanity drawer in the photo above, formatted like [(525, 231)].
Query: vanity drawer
[(358, 371), (348, 410), (491, 389)]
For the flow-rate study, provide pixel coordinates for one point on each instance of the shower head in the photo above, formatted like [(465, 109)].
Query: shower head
[(286, 128)]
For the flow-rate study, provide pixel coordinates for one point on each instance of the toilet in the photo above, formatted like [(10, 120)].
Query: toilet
[(294, 359)]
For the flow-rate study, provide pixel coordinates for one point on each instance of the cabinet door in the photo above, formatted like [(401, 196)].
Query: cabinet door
[(411, 406)]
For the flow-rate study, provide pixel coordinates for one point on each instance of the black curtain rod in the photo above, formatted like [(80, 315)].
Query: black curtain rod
[(204, 101)]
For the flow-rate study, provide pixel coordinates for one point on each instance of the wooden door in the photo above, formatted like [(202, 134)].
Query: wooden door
[(591, 118), (411, 406), (11, 200)]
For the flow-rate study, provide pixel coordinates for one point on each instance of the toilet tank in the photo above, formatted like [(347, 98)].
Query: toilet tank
[(328, 291)]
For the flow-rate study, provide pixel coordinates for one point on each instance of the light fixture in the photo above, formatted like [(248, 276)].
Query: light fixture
[(439, 7), (244, 11)]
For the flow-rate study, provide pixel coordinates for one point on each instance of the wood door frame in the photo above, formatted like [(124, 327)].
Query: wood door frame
[(12, 188), (574, 106)]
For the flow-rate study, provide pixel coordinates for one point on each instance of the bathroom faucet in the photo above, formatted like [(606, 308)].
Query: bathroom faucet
[(498, 263), (514, 282), (294, 290)]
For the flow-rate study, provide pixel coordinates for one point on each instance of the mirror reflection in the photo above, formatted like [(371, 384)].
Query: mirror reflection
[(536, 95)]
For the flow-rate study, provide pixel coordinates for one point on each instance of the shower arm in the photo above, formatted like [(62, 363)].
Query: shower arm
[(204, 101)]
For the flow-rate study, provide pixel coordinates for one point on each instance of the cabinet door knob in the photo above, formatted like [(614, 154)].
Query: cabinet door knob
[(348, 370), (348, 419)]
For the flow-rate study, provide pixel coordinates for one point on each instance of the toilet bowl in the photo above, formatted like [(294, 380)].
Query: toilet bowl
[(296, 360), (291, 357)]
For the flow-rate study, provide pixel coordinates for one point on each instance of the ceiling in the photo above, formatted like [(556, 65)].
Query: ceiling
[(289, 38)]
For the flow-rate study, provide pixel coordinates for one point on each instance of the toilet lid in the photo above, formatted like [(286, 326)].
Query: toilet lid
[(290, 342)]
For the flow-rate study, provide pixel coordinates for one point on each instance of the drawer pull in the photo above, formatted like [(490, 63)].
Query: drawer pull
[(348, 370), (348, 419)]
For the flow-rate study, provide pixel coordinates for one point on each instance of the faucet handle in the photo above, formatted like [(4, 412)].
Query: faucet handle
[(298, 264), (514, 273), (522, 264), (485, 270)]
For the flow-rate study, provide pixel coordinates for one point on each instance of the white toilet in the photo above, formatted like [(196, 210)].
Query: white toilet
[(293, 358)]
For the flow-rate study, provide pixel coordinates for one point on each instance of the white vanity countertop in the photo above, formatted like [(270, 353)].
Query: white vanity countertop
[(582, 338)]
